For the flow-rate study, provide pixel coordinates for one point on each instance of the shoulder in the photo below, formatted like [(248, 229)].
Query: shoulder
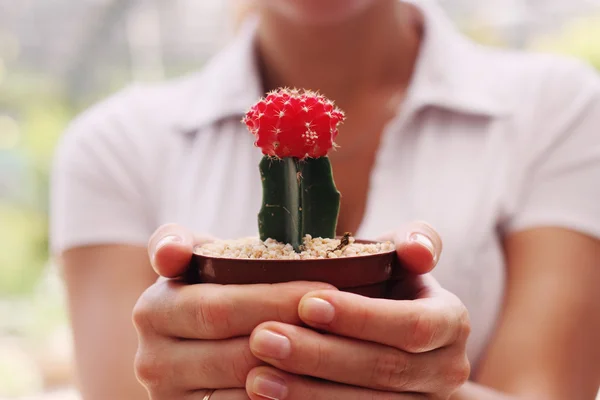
[(540, 83), (548, 139), (111, 159), (549, 101), (156, 105), (141, 118)]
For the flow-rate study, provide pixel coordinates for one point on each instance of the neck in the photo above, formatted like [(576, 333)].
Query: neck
[(376, 50)]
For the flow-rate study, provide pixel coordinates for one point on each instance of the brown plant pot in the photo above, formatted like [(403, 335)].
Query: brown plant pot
[(365, 275)]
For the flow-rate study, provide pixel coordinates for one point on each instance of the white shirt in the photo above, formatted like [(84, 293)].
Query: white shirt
[(487, 142)]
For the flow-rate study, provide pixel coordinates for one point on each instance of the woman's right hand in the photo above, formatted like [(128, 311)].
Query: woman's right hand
[(195, 338)]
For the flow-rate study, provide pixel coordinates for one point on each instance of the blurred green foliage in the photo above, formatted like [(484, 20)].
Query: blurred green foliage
[(23, 251), (579, 38), (41, 114)]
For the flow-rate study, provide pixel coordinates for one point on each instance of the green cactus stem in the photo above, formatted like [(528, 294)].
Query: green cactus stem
[(295, 131), (299, 199)]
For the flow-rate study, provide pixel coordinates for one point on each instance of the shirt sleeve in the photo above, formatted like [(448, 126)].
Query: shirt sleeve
[(561, 182), (98, 190)]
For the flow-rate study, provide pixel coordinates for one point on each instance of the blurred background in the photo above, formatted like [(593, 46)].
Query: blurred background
[(57, 57)]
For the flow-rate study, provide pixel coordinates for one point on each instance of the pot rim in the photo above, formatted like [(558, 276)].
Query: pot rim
[(279, 260)]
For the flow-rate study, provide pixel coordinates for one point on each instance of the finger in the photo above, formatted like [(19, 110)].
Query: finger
[(270, 383), (418, 246), (170, 249), (222, 394), (415, 326), (181, 366), (303, 351), (207, 311)]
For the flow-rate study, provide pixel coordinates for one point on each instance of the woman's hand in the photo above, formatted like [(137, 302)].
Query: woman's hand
[(193, 338), (369, 348)]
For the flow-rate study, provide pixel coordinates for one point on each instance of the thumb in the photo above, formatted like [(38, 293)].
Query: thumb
[(170, 249), (418, 246)]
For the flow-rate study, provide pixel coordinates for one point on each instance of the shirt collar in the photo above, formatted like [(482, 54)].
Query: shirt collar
[(452, 73)]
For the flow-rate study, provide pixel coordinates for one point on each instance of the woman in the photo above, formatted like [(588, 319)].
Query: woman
[(496, 150)]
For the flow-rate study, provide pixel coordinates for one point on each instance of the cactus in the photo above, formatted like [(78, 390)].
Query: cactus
[(295, 131)]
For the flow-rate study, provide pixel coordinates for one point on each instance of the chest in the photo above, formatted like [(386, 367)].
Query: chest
[(359, 140)]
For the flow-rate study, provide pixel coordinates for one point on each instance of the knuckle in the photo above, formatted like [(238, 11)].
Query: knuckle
[(318, 364), (204, 369), (363, 319), (391, 371), (282, 314), (143, 311), (151, 368), (464, 325), (211, 315), (459, 373), (423, 332), (242, 365)]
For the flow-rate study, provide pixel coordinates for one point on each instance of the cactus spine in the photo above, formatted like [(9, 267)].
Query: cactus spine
[(295, 131)]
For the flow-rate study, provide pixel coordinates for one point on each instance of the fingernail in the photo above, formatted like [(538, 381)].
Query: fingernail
[(165, 241), (270, 386), (423, 241), (271, 345), (317, 310)]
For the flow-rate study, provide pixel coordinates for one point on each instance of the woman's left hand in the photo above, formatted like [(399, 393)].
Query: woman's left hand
[(363, 348)]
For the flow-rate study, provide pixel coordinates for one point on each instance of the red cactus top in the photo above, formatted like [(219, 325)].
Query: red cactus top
[(293, 123)]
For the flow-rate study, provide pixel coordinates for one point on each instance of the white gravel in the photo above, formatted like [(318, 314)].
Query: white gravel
[(314, 248)]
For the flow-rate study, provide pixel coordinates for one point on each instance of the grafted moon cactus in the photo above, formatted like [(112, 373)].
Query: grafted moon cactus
[(295, 131)]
